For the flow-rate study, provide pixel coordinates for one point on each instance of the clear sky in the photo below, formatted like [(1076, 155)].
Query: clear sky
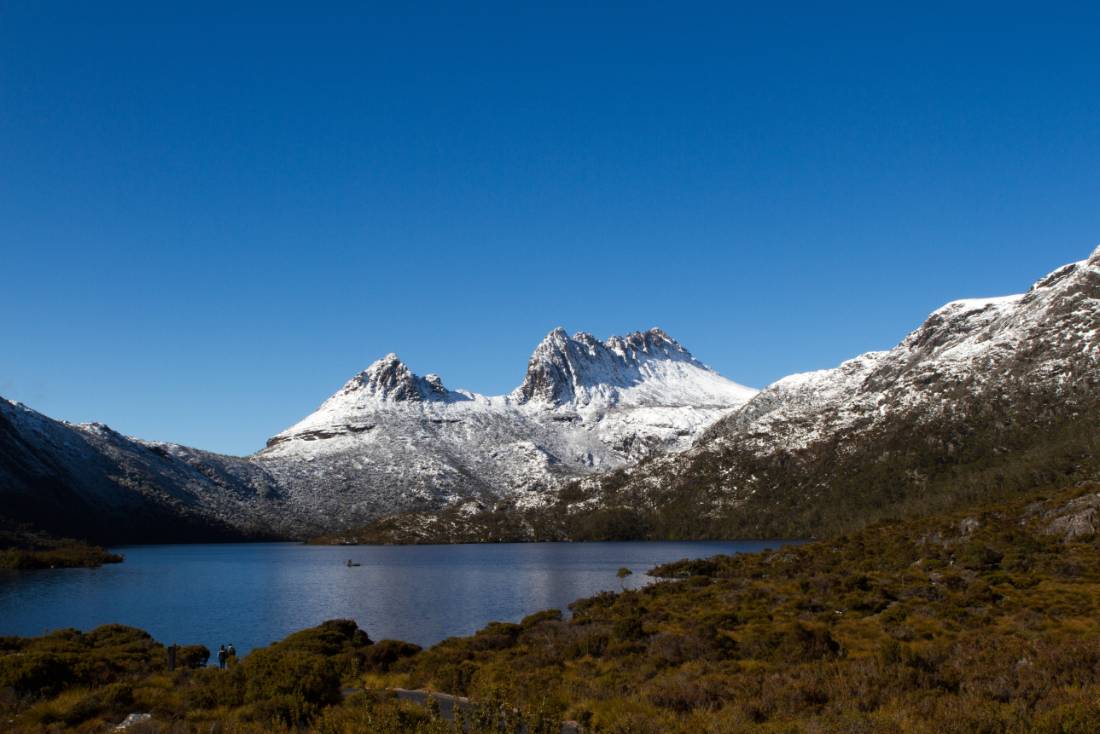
[(210, 221)]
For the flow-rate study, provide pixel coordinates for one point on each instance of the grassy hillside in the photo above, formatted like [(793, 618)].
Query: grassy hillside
[(985, 620)]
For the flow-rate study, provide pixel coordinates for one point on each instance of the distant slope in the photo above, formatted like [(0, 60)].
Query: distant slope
[(631, 437), (87, 481)]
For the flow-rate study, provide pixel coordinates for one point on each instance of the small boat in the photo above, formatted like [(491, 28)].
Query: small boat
[(352, 563)]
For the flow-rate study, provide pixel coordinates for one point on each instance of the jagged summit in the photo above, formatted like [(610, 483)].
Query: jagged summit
[(566, 369), (652, 343), (390, 439), (390, 379)]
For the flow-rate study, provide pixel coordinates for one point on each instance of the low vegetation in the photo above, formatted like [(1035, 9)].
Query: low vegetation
[(22, 548), (985, 620), (311, 681)]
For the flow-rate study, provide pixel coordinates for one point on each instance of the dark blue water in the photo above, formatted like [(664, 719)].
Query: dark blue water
[(254, 594)]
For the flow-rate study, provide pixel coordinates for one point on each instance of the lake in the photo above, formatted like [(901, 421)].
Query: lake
[(254, 594)]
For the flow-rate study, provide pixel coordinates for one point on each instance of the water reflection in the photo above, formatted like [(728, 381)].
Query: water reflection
[(254, 594)]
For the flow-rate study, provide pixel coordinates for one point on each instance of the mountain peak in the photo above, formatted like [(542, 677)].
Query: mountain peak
[(390, 379), (562, 368), (653, 343)]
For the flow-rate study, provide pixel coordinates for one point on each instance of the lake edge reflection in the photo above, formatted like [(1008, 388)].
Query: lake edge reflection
[(252, 594)]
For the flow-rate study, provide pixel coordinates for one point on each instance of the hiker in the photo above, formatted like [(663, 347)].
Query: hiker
[(172, 650), (222, 655), (231, 653)]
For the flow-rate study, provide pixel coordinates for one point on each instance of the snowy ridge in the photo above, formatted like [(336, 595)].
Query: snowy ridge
[(390, 379), (387, 441), (390, 440), (643, 368), (960, 345), (970, 362)]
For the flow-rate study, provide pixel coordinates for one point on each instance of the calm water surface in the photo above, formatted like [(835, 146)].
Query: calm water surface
[(254, 594)]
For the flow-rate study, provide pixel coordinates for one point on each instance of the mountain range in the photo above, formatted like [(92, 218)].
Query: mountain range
[(986, 398), (389, 441), (628, 437)]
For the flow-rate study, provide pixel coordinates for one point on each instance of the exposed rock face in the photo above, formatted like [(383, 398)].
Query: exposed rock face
[(1078, 519), (552, 370), (579, 369), (390, 379)]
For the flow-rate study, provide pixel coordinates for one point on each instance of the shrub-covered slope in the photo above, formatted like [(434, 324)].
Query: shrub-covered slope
[(983, 621)]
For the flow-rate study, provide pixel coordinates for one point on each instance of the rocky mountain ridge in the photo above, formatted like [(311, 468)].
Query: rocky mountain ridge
[(986, 398), (988, 395), (625, 438), (388, 441)]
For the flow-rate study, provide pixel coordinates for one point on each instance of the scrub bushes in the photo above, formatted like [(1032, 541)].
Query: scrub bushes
[(983, 621), (22, 548)]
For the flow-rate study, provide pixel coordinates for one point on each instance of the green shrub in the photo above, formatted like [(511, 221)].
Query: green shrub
[(37, 674), (192, 656), (382, 655)]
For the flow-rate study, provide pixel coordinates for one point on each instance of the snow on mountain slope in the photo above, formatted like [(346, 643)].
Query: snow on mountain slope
[(390, 440), (964, 347), (87, 480), (387, 441), (991, 392), (1013, 379), (641, 369)]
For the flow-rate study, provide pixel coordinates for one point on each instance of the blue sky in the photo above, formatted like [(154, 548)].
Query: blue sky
[(210, 221)]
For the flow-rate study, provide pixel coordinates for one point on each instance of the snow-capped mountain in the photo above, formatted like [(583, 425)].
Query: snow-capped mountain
[(628, 437), (390, 440), (987, 395)]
